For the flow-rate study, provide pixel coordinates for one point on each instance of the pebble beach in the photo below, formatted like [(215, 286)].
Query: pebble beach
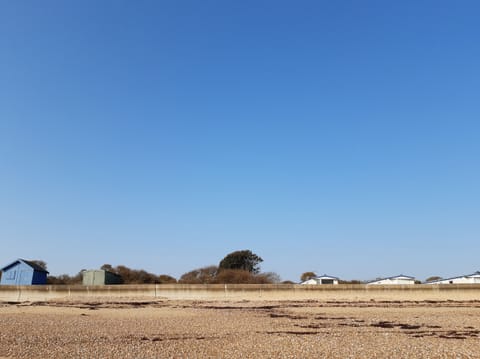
[(243, 329)]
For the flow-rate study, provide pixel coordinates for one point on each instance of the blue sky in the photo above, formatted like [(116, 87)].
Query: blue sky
[(339, 137)]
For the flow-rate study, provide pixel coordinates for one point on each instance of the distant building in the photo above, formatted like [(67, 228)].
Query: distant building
[(100, 277), (23, 272), (473, 278), (323, 279), (399, 279)]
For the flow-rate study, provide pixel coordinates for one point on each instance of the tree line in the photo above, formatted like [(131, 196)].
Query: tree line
[(127, 275), (238, 267)]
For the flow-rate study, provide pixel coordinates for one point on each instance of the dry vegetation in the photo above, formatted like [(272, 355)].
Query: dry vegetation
[(201, 329)]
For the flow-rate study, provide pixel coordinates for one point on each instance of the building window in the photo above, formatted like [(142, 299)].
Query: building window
[(11, 275)]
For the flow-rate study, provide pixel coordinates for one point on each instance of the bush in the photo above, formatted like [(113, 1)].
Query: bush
[(165, 278), (203, 275), (137, 276), (65, 279), (234, 276), (238, 276)]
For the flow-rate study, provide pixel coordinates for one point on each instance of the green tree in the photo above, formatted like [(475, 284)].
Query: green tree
[(107, 267), (430, 279), (307, 275), (242, 260)]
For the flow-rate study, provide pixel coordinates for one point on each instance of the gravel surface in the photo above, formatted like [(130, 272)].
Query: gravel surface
[(198, 329)]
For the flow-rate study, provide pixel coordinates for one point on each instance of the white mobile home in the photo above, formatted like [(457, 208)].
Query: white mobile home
[(398, 279), (323, 279), (473, 278)]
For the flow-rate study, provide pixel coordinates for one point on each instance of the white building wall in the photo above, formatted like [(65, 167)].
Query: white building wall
[(459, 280), (311, 281), (318, 280)]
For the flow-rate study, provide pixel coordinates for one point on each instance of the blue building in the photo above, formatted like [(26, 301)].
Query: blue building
[(22, 272)]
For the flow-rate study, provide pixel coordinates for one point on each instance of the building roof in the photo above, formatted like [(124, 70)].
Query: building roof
[(325, 276), (394, 277), (29, 263), (477, 273)]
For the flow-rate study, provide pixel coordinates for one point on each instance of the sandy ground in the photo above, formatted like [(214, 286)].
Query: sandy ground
[(200, 329)]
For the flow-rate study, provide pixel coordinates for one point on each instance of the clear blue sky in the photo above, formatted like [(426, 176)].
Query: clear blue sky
[(336, 136)]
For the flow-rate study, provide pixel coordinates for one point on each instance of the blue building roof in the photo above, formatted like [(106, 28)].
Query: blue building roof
[(31, 264)]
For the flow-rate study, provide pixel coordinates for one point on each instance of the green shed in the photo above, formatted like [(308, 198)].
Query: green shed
[(100, 277)]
